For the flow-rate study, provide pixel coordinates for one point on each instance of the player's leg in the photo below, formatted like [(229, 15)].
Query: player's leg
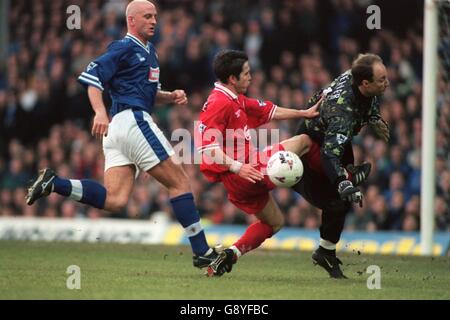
[(85, 190), (298, 144), (119, 174), (302, 144), (326, 197), (333, 220), (252, 199), (152, 152), (317, 190), (119, 183), (271, 220), (174, 178), (111, 197)]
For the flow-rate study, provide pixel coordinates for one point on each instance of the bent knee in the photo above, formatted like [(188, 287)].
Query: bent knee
[(299, 144), (306, 140), (277, 225), (305, 143)]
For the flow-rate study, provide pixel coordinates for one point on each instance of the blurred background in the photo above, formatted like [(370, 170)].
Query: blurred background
[(295, 47)]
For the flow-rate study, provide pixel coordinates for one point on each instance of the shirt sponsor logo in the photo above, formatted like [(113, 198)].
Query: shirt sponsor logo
[(153, 75)]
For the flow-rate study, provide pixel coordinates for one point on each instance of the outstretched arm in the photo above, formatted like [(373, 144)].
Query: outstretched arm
[(282, 113)]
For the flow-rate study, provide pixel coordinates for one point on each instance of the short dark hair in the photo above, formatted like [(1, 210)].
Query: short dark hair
[(362, 67), (229, 63)]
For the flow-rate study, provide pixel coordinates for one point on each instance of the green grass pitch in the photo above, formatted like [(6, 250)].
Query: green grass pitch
[(37, 270)]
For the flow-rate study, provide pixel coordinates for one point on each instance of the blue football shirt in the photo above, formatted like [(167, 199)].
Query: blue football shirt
[(131, 70)]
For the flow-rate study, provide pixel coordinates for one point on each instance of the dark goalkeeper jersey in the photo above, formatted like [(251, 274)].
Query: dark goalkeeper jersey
[(342, 115)]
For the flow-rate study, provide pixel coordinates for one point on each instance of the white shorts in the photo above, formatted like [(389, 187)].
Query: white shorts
[(133, 138)]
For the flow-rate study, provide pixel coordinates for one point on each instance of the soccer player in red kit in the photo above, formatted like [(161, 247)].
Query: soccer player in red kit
[(228, 156)]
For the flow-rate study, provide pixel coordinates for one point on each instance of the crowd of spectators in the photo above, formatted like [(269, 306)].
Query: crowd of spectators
[(295, 47)]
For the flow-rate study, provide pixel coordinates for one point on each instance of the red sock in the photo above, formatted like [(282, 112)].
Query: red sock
[(349, 175), (255, 234)]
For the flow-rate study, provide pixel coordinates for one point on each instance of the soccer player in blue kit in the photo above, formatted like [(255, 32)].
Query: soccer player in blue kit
[(131, 141)]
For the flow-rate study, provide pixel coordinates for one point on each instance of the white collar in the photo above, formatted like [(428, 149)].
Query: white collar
[(225, 90), (137, 41)]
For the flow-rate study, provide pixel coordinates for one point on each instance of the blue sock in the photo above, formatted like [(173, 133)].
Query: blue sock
[(62, 186), (186, 213), (85, 191)]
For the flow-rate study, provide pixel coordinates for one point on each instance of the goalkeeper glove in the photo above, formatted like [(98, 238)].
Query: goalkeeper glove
[(349, 192), (381, 129)]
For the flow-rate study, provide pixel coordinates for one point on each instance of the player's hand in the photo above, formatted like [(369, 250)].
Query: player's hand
[(249, 173), (381, 129), (313, 111), (100, 125), (179, 97), (349, 192)]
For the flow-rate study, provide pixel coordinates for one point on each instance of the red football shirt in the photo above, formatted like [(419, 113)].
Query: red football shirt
[(225, 121)]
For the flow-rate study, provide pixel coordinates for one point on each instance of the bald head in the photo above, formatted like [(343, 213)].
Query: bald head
[(137, 5), (141, 19)]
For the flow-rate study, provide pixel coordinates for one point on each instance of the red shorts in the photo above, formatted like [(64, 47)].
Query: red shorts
[(247, 196), (312, 159)]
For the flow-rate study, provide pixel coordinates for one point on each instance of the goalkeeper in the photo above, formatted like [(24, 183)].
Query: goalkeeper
[(352, 101)]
